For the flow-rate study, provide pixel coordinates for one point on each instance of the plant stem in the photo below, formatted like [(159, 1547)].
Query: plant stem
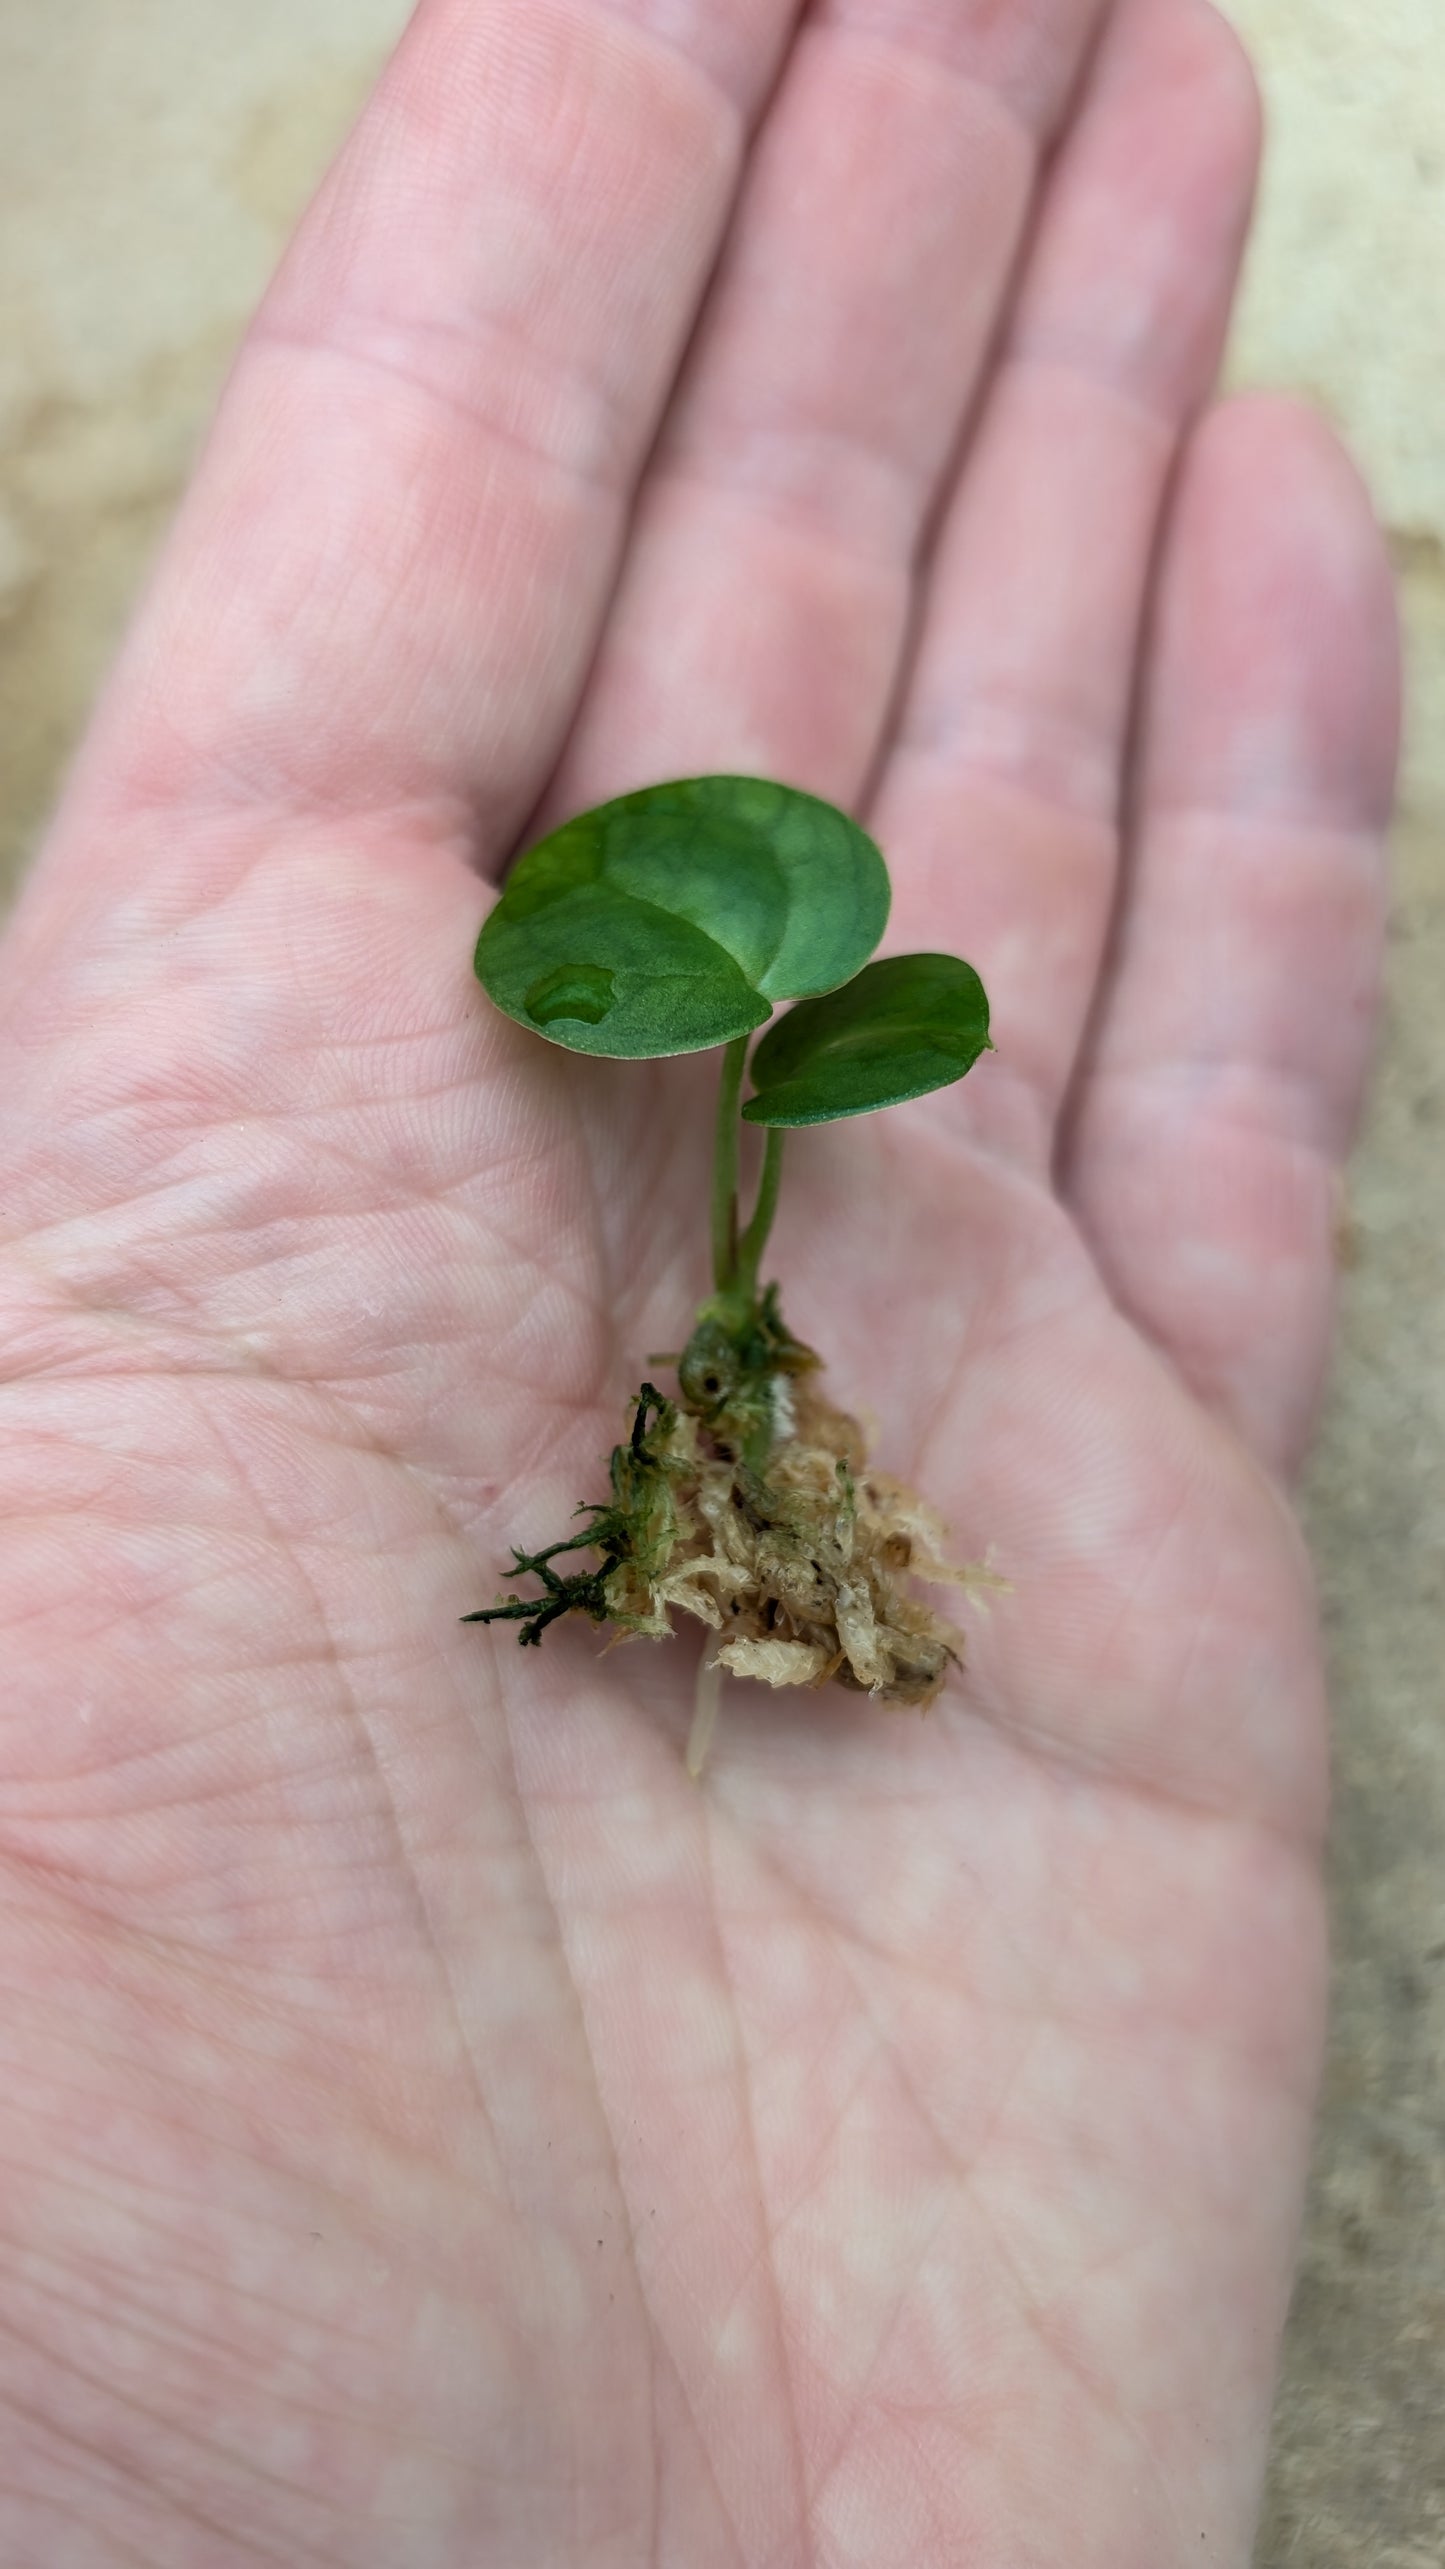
[(755, 1238), (725, 1168)]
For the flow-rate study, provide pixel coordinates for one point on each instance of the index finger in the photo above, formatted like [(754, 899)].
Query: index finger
[(387, 579)]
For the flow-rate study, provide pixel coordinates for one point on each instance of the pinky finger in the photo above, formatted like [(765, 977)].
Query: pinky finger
[(1220, 1089)]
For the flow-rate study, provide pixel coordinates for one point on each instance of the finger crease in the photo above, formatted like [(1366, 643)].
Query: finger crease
[(1276, 1101), (559, 421), (1057, 757), (841, 487), (836, 24), (739, 101), (1095, 367)]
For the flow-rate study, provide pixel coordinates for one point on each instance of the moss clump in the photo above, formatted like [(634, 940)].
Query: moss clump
[(749, 1504)]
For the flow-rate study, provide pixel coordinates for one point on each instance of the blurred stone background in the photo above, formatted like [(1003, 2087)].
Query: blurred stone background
[(152, 159)]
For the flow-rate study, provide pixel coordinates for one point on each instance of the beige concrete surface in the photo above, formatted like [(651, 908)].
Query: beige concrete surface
[(152, 156)]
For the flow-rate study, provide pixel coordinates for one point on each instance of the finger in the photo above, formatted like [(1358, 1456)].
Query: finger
[(766, 599), (1223, 1079), (388, 577), (999, 805)]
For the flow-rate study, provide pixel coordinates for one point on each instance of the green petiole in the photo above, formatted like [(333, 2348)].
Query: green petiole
[(737, 1253)]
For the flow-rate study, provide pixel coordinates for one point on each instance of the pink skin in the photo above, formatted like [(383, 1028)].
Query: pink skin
[(435, 2132)]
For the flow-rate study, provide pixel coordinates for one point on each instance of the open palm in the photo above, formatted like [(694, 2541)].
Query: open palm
[(436, 2132)]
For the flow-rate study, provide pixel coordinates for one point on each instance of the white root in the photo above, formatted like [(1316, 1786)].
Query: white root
[(709, 1696)]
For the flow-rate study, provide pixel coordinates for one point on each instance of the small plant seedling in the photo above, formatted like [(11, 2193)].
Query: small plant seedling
[(672, 921)]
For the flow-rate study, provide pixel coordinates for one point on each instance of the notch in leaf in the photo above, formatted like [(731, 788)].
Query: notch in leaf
[(901, 1027), (675, 919)]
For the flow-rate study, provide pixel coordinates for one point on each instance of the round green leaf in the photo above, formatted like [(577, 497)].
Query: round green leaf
[(674, 919), (905, 1025)]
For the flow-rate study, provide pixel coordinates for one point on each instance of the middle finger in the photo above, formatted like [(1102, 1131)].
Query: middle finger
[(763, 611)]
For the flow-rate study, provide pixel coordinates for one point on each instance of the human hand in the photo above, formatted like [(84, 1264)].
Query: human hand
[(437, 2132)]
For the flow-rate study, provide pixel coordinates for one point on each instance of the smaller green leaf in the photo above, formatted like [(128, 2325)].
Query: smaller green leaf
[(903, 1026)]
